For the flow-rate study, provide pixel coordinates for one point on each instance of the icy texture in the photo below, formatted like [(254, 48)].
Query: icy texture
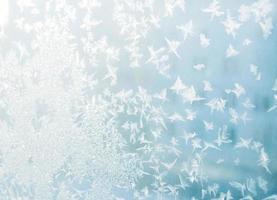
[(138, 99)]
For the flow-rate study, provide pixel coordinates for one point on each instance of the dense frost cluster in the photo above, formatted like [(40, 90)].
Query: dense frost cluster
[(138, 99)]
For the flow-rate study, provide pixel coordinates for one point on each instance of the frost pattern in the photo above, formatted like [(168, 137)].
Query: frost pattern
[(143, 99)]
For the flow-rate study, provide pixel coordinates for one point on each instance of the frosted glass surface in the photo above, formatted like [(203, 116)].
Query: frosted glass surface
[(138, 100)]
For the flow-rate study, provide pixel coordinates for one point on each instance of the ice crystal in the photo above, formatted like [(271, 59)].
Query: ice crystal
[(142, 99)]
